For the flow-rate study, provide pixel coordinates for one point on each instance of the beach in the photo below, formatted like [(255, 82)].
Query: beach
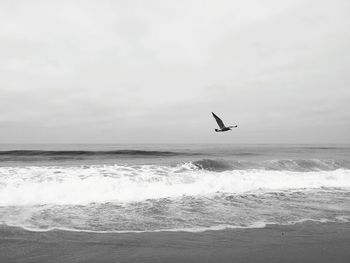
[(304, 242)]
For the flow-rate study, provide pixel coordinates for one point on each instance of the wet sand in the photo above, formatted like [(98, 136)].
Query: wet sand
[(306, 242)]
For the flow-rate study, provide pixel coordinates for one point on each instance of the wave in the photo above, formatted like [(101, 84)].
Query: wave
[(124, 184), (198, 229), (214, 165), (79, 153), (188, 229), (194, 229), (277, 165), (35, 155), (322, 148)]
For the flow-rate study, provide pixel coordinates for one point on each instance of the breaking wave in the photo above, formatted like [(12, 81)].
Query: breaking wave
[(277, 165), (124, 184)]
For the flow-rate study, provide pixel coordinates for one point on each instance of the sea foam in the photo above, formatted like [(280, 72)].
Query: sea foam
[(82, 185)]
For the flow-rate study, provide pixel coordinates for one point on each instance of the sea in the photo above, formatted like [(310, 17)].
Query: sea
[(183, 187)]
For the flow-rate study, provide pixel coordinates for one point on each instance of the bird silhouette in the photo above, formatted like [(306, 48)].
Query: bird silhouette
[(221, 124)]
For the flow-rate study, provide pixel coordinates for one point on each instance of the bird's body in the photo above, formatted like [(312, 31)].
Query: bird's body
[(221, 124)]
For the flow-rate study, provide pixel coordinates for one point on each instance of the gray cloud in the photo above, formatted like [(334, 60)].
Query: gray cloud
[(152, 71)]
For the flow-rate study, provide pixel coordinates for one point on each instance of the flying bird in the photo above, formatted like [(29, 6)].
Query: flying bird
[(222, 126)]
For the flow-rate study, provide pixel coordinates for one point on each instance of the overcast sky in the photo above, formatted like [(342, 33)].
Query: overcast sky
[(152, 71)]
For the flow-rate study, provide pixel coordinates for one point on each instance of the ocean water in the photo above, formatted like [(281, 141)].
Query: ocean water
[(138, 188)]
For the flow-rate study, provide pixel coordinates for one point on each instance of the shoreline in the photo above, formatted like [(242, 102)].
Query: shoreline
[(302, 242)]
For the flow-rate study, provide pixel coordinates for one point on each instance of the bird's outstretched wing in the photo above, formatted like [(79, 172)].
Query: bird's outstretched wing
[(219, 121)]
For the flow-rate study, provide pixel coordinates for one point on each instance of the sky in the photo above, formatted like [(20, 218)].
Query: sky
[(153, 71)]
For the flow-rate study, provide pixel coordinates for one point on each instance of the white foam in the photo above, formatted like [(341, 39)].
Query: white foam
[(219, 227), (189, 229), (114, 183)]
